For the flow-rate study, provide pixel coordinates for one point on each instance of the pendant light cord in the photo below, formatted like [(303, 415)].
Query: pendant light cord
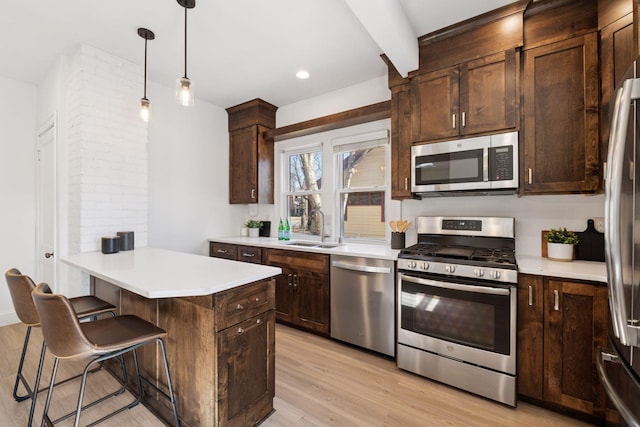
[(145, 68), (185, 42)]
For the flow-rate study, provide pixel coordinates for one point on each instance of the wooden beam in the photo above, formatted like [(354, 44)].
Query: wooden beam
[(369, 113)]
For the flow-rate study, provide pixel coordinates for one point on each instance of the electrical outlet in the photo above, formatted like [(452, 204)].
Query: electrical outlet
[(598, 222)]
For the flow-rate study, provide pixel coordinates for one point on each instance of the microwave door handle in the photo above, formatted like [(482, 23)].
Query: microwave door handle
[(485, 164), (613, 196)]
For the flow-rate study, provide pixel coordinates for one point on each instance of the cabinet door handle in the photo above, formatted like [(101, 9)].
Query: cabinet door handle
[(453, 121), (258, 321), (464, 119), (406, 183), (530, 172), (239, 307), (222, 251), (253, 193), (248, 255), (530, 295), (240, 331), (290, 282), (257, 299), (556, 300), (295, 280)]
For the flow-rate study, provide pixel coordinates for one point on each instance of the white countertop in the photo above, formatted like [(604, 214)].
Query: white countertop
[(349, 249), (581, 270), (160, 273)]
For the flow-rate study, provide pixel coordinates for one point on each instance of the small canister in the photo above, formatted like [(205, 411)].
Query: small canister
[(126, 240), (110, 244), (397, 240)]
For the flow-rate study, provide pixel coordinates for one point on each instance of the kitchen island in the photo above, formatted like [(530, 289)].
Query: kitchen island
[(220, 322)]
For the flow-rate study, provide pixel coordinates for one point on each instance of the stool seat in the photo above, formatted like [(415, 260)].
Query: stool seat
[(20, 288)]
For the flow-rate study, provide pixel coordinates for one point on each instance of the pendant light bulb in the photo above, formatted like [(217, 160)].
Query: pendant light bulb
[(185, 94), (145, 104), (185, 91), (145, 109)]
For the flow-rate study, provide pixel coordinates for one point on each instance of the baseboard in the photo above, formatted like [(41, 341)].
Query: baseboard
[(8, 319)]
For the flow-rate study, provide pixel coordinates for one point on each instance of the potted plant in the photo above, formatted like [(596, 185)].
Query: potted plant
[(254, 227), (560, 244)]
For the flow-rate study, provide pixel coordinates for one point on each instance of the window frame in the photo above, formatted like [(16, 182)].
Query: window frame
[(330, 196)]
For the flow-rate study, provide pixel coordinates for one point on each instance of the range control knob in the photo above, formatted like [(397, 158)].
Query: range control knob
[(450, 268), (494, 274), (424, 266), (478, 272), (413, 264)]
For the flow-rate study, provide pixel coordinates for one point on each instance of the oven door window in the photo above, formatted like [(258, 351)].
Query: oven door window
[(449, 168), (473, 319)]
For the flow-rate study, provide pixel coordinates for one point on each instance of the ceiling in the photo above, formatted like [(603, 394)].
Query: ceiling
[(237, 50)]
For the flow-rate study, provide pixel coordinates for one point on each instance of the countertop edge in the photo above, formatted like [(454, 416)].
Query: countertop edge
[(580, 270)]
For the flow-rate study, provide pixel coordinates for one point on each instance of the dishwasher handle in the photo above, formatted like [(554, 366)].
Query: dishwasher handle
[(358, 267)]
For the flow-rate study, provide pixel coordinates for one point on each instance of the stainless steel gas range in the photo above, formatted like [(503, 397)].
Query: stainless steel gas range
[(457, 294)]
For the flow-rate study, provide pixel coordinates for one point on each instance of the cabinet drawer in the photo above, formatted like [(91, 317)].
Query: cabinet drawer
[(250, 254), (236, 305), (223, 250), (298, 260)]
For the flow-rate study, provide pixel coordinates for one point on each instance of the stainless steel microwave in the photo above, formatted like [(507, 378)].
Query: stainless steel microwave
[(481, 165)]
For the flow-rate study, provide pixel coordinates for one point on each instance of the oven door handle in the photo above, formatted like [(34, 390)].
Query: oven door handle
[(457, 286)]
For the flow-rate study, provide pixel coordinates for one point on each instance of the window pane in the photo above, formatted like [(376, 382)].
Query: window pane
[(363, 215), (363, 168), (305, 171), (302, 215)]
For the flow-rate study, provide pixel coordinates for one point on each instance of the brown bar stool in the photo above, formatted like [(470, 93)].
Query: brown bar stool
[(99, 340), (20, 288)]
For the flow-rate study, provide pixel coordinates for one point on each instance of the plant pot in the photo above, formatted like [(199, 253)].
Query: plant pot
[(254, 232), (560, 252)]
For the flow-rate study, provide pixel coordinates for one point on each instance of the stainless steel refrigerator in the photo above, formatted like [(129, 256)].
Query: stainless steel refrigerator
[(619, 364)]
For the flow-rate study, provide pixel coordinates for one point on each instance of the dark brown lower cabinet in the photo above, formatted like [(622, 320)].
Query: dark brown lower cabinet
[(220, 348), (302, 290), (561, 325)]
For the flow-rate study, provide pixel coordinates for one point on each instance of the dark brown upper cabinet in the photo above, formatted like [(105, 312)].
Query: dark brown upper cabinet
[(251, 152), (561, 147), (478, 96)]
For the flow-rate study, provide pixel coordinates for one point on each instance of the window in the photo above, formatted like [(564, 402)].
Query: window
[(304, 198), (342, 175)]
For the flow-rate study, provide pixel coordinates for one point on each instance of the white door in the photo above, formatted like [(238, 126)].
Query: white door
[(46, 216)]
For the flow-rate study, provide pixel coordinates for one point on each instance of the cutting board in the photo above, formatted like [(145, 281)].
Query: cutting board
[(591, 246)]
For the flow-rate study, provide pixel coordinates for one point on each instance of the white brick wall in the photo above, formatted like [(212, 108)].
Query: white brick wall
[(107, 150)]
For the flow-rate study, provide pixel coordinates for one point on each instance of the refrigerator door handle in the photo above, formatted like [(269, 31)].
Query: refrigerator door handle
[(613, 196), (617, 401)]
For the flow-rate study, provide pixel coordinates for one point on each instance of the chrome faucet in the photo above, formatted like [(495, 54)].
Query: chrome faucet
[(321, 224)]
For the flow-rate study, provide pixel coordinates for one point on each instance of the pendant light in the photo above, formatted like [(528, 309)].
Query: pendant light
[(145, 104), (184, 86)]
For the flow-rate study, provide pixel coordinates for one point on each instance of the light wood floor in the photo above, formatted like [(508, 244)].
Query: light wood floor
[(319, 382)]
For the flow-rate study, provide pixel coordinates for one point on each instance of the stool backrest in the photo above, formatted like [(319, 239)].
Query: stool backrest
[(60, 326), (20, 288)]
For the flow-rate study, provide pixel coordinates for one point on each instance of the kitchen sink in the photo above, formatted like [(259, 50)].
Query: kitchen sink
[(304, 244)]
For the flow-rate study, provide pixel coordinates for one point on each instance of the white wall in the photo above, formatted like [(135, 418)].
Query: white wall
[(18, 106), (188, 174)]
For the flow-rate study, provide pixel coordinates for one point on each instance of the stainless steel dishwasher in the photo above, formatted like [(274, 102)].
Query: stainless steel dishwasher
[(363, 302)]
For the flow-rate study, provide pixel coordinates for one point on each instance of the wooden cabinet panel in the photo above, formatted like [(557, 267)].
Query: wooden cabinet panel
[(436, 101), (489, 93), (302, 290), (561, 141), (401, 142), (223, 250), (574, 329), (246, 377), (243, 165), (475, 97), (616, 56), (530, 336), (561, 324)]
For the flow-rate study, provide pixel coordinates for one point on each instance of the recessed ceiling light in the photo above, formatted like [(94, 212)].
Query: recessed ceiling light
[(302, 74)]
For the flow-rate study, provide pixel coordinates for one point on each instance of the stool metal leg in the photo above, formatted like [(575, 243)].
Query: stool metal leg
[(19, 377), (172, 397)]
